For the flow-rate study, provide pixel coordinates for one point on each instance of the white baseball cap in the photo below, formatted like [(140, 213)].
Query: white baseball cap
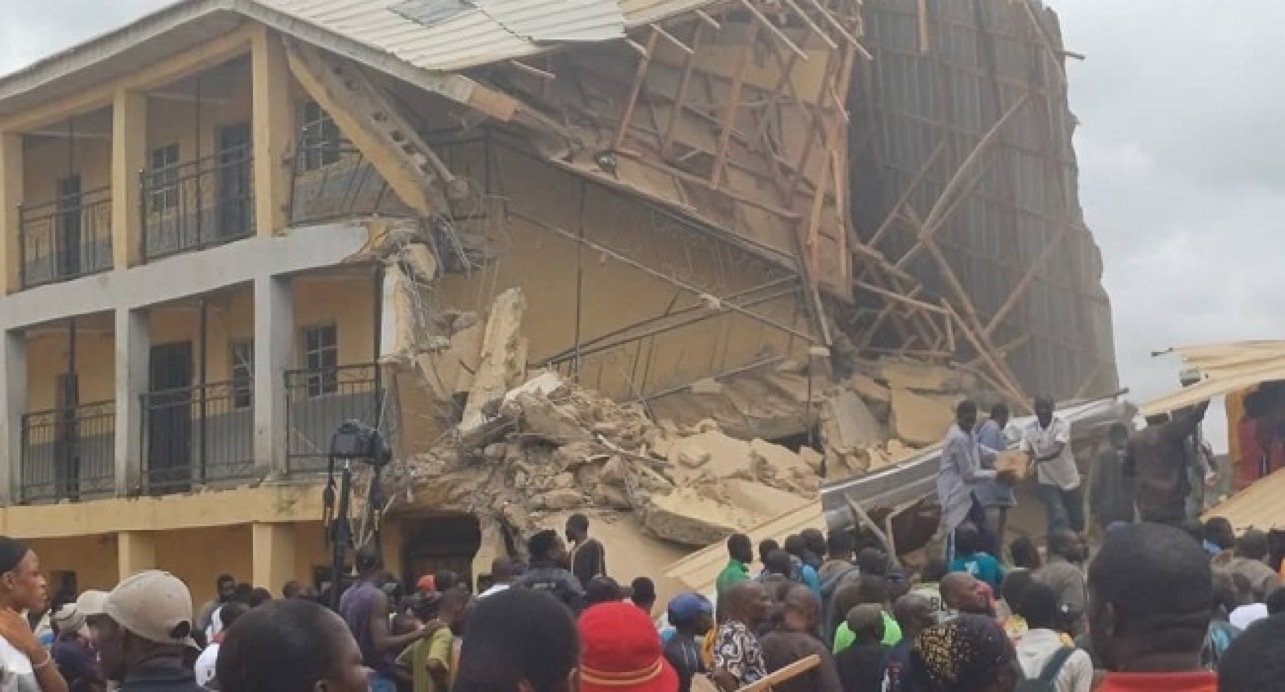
[(154, 605)]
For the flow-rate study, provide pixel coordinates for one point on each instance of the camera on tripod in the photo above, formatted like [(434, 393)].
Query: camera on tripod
[(356, 440)]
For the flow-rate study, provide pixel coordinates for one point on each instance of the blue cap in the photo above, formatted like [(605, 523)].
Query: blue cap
[(686, 606)]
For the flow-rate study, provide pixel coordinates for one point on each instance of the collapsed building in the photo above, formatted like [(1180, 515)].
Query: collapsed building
[(670, 261)]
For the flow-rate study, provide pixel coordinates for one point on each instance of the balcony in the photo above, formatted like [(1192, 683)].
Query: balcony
[(333, 180), (317, 401), (68, 453), (197, 435), (67, 238), (198, 204)]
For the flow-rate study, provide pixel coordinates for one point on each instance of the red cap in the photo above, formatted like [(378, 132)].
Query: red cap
[(620, 650), (426, 584)]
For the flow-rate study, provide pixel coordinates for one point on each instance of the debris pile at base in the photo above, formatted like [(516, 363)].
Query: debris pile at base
[(528, 445)]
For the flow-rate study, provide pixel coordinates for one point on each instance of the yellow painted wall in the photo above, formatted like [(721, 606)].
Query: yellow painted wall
[(346, 301), (230, 317), (198, 556), (615, 295), (227, 101), (92, 558), (47, 359), (45, 161)]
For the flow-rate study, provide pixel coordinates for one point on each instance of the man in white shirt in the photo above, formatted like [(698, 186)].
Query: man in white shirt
[(1047, 442)]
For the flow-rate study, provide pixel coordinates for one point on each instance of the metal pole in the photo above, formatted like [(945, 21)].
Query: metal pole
[(580, 275), (341, 534), (203, 367)]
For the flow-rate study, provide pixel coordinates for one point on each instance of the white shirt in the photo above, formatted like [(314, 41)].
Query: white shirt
[(1036, 647), (497, 588), (16, 673), (205, 664), (1039, 441), (1246, 615)]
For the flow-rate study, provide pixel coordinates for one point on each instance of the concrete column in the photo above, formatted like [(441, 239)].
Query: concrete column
[(133, 346), (491, 547), (129, 157), (135, 552), (10, 197), (273, 351), (273, 555), (274, 131), (13, 403)]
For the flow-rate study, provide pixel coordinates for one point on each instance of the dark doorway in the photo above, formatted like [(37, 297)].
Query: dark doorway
[(169, 418), (235, 182), (68, 238), (443, 542)]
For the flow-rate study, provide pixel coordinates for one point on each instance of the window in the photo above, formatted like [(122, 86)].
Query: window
[(242, 352), (321, 358), (164, 178), (320, 137)]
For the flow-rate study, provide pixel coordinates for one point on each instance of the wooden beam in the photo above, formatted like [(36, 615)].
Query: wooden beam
[(373, 125), (532, 71), (640, 74), (1024, 284), (205, 56), (895, 210), (274, 130), (680, 98), (816, 28), (921, 20), (774, 30), (672, 39), (733, 103)]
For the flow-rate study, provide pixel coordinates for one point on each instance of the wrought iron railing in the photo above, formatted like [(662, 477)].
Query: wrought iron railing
[(197, 204), (197, 435), (332, 179), (68, 453), (317, 401), (66, 238)]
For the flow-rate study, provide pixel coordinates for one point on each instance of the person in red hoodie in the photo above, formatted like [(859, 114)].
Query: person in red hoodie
[(1149, 610)]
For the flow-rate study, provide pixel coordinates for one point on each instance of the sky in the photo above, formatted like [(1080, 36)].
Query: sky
[(1182, 177)]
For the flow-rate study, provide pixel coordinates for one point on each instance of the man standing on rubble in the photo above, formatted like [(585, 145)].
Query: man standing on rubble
[(548, 572), (1155, 459), (960, 473), (996, 498), (1047, 442), (588, 558)]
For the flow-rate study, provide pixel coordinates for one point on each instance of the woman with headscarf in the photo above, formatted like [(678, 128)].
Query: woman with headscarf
[(24, 663), (970, 653)]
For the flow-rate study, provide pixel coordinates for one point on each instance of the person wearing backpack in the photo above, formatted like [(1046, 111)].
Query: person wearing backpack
[(1044, 660)]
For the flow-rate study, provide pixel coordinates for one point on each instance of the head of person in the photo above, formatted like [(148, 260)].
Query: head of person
[(242, 593), (22, 585), (800, 609), (1040, 607), (1149, 605), (839, 545), (227, 614), (1253, 661), (291, 645), (691, 613), (873, 561), (968, 539), (866, 623), (1014, 587), (452, 607), (546, 547), (766, 547), (426, 584), (966, 415), (1024, 553), (519, 640), (815, 541), (150, 617), (67, 619), (795, 546), (1118, 435), (1044, 410), (913, 613), (872, 588), (778, 562), (260, 596), (225, 587), (749, 603), (604, 589), (446, 580), (1276, 601), (963, 592), (90, 604), (577, 528), (502, 570), (368, 561), (292, 589), (1219, 532), (620, 652), (933, 571), (643, 593), (1230, 593), (1067, 544), (1252, 545), (1000, 414), (739, 548), (970, 653)]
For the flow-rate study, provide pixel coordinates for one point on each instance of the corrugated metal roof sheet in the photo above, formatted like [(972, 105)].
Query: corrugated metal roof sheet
[(1225, 368), (1259, 506), (559, 20)]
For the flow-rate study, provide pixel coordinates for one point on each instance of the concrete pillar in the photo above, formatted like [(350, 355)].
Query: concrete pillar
[(13, 403), (274, 131), (129, 157), (133, 346), (273, 351), (135, 552), (491, 547), (273, 555), (10, 197)]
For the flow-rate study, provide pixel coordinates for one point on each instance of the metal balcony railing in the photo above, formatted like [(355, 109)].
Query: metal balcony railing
[(197, 435), (317, 401), (332, 180), (68, 453), (66, 238), (198, 204)]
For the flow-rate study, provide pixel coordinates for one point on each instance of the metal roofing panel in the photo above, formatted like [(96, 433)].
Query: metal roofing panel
[(559, 20)]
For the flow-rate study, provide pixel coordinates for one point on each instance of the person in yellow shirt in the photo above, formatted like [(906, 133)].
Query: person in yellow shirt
[(431, 661)]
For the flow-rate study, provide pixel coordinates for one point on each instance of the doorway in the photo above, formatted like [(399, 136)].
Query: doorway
[(441, 542), (169, 418), (235, 210)]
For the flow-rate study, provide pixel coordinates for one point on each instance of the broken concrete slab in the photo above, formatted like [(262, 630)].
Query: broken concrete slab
[(920, 419), (687, 517), (503, 356), (847, 423), (545, 419)]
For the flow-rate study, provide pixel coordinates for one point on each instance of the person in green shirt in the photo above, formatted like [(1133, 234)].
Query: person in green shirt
[(430, 661), (871, 589), (741, 552)]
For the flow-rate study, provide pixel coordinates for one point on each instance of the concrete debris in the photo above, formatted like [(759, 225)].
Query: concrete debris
[(920, 419), (503, 357)]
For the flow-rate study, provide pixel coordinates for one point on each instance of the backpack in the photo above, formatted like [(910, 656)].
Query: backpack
[(1044, 682)]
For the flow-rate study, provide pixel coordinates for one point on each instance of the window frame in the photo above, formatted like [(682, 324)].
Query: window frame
[(162, 179), (321, 359), (321, 142), (241, 372)]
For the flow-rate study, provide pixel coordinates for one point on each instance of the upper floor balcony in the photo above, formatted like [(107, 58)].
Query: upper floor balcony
[(201, 203), (67, 238)]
